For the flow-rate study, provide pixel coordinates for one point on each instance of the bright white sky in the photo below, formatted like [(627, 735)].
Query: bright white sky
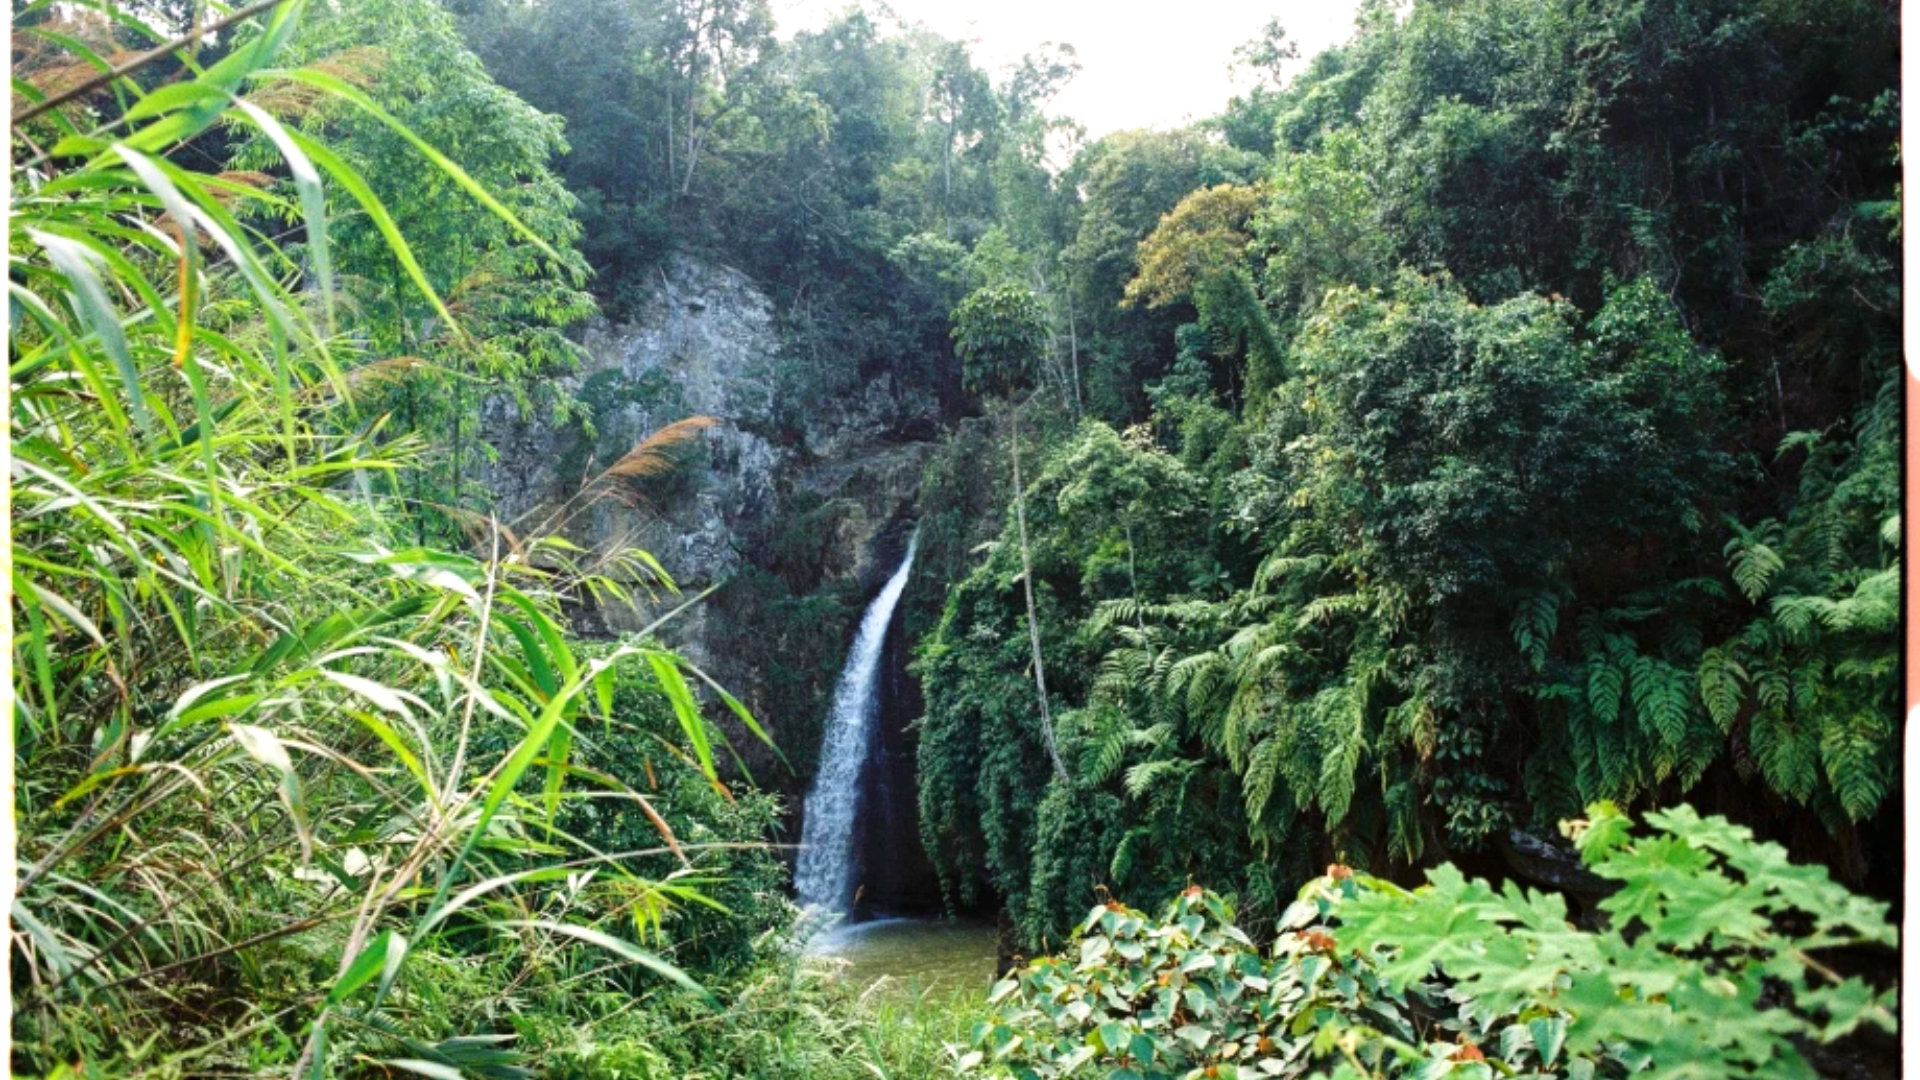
[(1155, 64)]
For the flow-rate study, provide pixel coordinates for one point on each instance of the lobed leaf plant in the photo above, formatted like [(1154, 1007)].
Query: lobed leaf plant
[(1716, 959), (283, 777)]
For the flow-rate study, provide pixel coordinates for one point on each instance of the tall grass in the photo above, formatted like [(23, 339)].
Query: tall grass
[(282, 777)]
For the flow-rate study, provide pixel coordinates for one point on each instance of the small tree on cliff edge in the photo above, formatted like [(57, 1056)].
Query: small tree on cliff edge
[(1000, 331)]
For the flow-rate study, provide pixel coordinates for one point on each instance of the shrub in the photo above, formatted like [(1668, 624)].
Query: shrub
[(1707, 967)]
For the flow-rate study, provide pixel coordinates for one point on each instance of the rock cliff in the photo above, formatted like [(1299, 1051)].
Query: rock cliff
[(705, 343), (796, 511)]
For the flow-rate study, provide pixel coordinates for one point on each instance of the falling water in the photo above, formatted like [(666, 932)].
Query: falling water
[(825, 876)]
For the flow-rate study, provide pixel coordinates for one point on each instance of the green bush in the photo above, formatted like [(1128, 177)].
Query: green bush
[(1709, 966)]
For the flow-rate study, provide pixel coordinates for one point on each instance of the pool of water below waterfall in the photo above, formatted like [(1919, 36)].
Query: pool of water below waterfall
[(908, 956)]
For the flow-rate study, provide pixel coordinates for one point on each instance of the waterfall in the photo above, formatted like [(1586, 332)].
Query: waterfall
[(824, 878)]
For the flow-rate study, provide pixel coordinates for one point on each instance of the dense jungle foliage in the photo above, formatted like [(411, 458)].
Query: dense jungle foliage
[(1497, 417), (1491, 423)]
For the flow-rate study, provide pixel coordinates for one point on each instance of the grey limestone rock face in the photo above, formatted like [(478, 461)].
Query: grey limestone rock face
[(844, 472), (703, 342)]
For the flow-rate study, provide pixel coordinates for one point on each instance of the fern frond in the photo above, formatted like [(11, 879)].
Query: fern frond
[(1605, 685), (1323, 609), (1751, 558), (1250, 639), (1772, 688), (1809, 685), (1534, 625), (1662, 697), (1854, 750), (1873, 607), (1787, 755), (1276, 567), (1797, 615), (1402, 802), (1201, 675), (1122, 862), (1586, 753), (1153, 737), (1722, 686), (1106, 753), (1412, 722), (1681, 642), (1262, 778), (1344, 732), (1147, 775)]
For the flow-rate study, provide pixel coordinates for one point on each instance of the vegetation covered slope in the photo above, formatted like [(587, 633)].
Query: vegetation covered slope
[(1519, 431)]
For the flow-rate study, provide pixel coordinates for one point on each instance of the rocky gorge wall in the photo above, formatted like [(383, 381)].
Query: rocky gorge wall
[(795, 510)]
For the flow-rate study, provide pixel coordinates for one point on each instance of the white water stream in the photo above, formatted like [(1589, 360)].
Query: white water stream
[(824, 878)]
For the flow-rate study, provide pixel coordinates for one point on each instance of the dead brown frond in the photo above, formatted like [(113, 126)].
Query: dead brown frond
[(381, 371), (651, 457), (56, 79), (480, 529), (359, 67), (471, 291), (50, 66)]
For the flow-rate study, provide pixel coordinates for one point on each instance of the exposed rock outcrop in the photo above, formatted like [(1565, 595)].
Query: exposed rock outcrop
[(704, 342), (800, 510)]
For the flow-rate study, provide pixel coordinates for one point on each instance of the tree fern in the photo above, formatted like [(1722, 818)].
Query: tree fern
[(1722, 686), (1534, 625), (1787, 754), (1751, 558), (1662, 698), (1341, 712), (1606, 684), (1852, 755)]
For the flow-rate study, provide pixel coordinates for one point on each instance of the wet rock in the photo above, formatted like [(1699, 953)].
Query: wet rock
[(1554, 865)]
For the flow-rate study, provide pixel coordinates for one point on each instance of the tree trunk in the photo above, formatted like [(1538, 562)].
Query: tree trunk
[(946, 172), (1073, 349), (1026, 581)]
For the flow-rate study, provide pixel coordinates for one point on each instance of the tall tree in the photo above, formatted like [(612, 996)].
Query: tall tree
[(1000, 331)]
